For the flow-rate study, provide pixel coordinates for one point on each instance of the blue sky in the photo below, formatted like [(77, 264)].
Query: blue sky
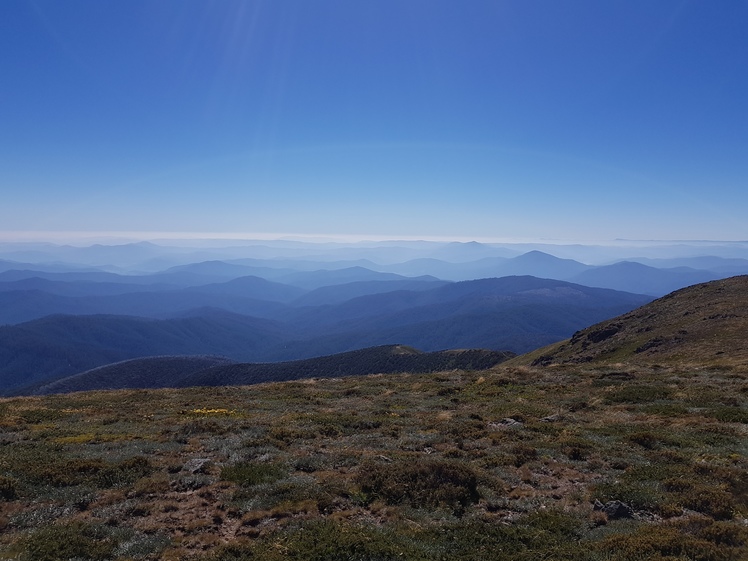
[(488, 120)]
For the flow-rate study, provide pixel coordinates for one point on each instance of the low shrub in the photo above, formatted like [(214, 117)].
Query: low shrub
[(252, 473), (709, 500), (8, 490), (68, 541), (548, 534), (725, 534), (325, 540), (293, 493), (310, 464), (663, 542), (666, 409), (638, 495), (639, 394), (645, 439), (284, 435), (420, 483), (523, 453), (124, 473), (197, 427), (40, 415), (59, 471), (729, 414), (576, 453)]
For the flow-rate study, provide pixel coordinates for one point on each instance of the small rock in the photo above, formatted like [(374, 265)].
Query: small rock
[(197, 465), (614, 509), (508, 422), (189, 483)]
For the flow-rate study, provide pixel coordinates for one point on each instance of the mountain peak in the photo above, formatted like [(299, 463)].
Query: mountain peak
[(539, 257)]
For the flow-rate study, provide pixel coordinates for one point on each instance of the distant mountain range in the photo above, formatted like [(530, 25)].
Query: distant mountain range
[(32, 294), (147, 257), (515, 314), (65, 310), (702, 325), (654, 277)]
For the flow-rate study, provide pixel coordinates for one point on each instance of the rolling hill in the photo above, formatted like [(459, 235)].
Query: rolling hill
[(58, 346), (511, 313), (145, 373), (339, 293), (643, 279), (28, 298), (186, 371), (702, 324)]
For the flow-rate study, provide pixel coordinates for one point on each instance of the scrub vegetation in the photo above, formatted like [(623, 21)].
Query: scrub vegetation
[(510, 463)]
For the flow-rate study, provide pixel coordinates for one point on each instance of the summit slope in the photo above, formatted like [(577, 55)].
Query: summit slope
[(704, 324)]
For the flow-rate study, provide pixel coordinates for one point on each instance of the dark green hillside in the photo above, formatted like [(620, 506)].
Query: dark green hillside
[(149, 372), (702, 324), (376, 360), (185, 371)]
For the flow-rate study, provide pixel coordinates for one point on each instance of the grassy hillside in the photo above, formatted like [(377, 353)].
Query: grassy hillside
[(705, 324), (591, 461), (460, 465)]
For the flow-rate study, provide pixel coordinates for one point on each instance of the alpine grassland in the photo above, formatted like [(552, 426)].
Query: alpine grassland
[(515, 462)]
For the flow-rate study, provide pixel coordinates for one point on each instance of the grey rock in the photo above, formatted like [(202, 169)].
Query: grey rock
[(614, 509), (504, 423), (197, 465)]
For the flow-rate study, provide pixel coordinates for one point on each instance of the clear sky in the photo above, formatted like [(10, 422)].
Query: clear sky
[(532, 119)]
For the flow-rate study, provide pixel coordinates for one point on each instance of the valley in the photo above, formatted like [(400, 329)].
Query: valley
[(67, 309), (623, 438)]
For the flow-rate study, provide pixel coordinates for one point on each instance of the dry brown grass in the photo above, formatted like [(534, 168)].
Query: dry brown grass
[(696, 327)]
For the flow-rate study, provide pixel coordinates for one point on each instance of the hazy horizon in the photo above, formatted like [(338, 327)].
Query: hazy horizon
[(84, 238), (537, 121)]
